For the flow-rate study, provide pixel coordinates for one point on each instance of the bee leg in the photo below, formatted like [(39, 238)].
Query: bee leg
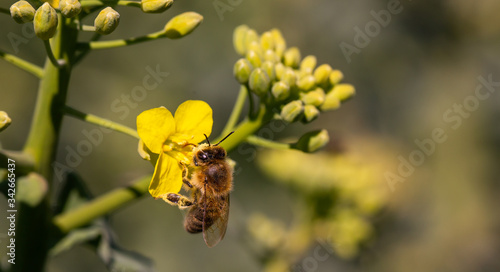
[(178, 200), (185, 175)]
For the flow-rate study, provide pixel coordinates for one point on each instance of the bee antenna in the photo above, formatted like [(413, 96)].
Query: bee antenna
[(225, 137), (207, 139)]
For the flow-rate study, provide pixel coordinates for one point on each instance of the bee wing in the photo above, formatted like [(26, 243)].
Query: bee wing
[(214, 233)]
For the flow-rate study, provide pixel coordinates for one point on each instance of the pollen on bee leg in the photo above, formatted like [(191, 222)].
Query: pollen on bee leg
[(169, 199)]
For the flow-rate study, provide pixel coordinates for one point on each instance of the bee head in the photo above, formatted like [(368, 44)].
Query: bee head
[(206, 153)]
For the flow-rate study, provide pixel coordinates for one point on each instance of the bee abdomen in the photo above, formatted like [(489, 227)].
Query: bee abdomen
[(194, 220)]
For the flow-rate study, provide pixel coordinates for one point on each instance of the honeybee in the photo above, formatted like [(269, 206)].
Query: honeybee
[(210, 185)]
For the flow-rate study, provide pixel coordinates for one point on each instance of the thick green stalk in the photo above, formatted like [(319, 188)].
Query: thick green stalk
[(32, 243)]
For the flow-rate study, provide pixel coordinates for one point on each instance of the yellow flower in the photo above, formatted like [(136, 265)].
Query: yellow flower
[(173, 138)]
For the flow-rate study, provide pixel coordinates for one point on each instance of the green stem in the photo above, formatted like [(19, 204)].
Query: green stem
[(87, 28), (24, 162), (246, 128), (91, 3), (235, 114), (255, 140), (101, 205), (32, 243), (251, 103), (51, 56), (121, 42), (25, 65), (100, 121)]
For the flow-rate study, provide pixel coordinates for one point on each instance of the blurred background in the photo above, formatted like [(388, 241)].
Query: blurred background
[(411, 77)]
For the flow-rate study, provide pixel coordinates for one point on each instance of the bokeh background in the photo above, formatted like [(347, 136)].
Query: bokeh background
[(443, 217)]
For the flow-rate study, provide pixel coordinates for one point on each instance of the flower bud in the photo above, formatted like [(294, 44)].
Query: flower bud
[(303, 73), (22, 12), (4, 120), (255, 46), (279, 69), (331, 102), (312, 141), (268, 67), (322, 74), (343, 91), (254, 58), (292, 57), (250, 37), (267, 41), (242, 69), (239, 36), (306, 83), (45, 21), (70, 8), (182, 24), (289, 77), (310, 113), (308, 64), (259, 82), (106, 21), (279, 42), (271, 56), (292, 110), (155, 6), (280, 90), (335, 77), (315, 97)]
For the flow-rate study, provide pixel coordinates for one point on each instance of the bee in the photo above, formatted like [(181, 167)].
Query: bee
[(210, 185)]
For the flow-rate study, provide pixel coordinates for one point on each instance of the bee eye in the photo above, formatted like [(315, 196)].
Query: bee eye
[(202, 156)]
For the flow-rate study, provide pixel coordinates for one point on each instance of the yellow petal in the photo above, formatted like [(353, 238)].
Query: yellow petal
[(167, 177), (154, 126), (193, 118)]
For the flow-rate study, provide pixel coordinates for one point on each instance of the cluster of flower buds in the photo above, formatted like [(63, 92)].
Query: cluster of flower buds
[(45, 17), (280, 77)]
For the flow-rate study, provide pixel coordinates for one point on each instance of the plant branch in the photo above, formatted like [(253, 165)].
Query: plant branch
[(121, 42), (101, 206), (24, 161), (93, 119), (25, 65), (255, 140), (246, 128), (50, 55), (235, 114)]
